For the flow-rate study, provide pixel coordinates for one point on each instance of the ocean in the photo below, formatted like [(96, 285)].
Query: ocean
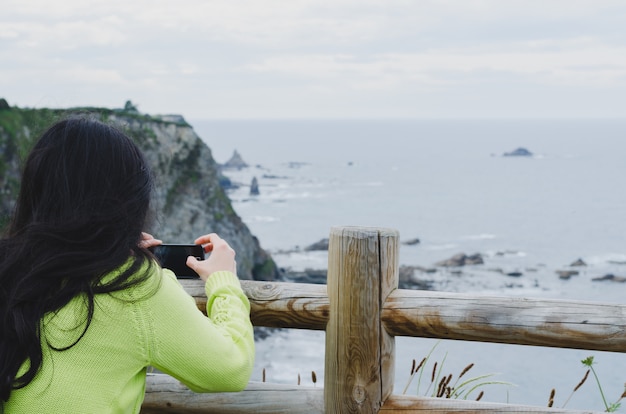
[(446, 183)]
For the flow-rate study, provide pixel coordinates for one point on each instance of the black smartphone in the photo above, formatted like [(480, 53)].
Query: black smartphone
[(174, 257)]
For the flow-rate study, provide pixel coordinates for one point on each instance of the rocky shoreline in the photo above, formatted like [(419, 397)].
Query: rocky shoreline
[(457, 266)]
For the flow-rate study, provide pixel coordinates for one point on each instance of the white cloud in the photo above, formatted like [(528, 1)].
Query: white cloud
[(278, 57), (585, 66)]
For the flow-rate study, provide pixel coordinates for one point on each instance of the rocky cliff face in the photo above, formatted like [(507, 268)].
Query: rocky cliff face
[(188, 200)]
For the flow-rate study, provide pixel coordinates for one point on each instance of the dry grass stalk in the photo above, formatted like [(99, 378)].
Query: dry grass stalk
[(582, 381), (298, 378), (263, 374), (580, 384), (314, 377), (441, 387), (420, 364), (414, 370), (480, 395), (551, 399), (467, 368)]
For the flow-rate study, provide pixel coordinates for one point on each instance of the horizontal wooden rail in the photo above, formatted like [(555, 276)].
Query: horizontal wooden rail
[(277, 304), (165, 395), (522, 321), (404, 404), (417, 313)]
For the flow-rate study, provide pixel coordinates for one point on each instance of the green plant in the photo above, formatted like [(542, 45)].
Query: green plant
[(441, 385), (609, 407)]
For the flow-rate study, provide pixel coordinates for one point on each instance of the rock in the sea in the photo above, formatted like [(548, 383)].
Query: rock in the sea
[(611, 277), (579, 262), (519, 152), (317, 246), (412, 242), (226, 183), (254, 187), (566, 274), (235, 162), (461, 259), (407, 279), (313, 276)]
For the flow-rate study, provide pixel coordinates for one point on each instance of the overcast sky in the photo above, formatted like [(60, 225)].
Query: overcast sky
[(214, 59)]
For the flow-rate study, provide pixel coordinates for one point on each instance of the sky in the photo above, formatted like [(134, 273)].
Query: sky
[(319, 59)]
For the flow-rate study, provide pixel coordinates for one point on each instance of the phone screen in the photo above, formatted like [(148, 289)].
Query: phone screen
[(174, 257)]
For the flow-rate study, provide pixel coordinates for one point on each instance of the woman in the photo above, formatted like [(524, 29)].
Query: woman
[(84, 307)]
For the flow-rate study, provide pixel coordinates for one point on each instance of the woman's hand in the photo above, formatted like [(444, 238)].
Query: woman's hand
[(148, 241), (222, 256)]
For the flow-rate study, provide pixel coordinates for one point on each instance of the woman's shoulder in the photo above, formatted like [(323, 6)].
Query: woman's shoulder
[(141, 284)]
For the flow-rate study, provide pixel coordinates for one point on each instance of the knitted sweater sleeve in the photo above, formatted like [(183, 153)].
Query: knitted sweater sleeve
[(208, 354)]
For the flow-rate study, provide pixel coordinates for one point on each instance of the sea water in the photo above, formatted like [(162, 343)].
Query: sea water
[(447, 183)]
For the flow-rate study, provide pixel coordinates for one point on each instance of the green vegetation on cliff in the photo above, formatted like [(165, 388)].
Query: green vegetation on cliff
[(188, 200)]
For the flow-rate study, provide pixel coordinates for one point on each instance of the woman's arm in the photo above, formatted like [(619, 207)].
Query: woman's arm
[(208, 354)]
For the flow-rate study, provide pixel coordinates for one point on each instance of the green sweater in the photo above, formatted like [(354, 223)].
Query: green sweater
[(154, 324)]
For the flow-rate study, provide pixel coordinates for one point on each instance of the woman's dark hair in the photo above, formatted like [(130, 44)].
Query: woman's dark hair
[(83, 202)]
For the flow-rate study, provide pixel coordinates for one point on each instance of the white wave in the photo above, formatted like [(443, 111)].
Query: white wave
[(446, 246), (607, 258)]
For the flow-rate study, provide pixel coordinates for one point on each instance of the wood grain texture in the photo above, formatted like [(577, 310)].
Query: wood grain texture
[(418, 313), (402, 404), (362, 311), (352, 373), (389, 278), (524, 321), (277, 304), (165, 395)]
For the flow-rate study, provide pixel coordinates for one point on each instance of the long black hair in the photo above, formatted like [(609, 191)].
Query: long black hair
[(83, 203)]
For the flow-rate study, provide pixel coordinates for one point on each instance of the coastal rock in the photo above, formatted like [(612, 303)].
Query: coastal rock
[(461, 259), (407, 279), (566, 274), (411, 242), (321, 245), (235, 162), (226, 183), (610, 277), (519, 152), (254, 187), (296, 164), (579, 262), (313, 276)]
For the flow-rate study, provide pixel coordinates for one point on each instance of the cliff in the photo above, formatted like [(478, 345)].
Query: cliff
[(188, 200)]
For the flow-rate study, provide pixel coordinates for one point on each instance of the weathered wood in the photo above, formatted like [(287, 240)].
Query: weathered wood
[(417, 313), (277, 304), (361, 311), (389, 278), (419, 405), (165, 395), (541, 322), (353, 377)]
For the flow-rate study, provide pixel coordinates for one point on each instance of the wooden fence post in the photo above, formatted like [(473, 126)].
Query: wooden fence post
[(359, 364)]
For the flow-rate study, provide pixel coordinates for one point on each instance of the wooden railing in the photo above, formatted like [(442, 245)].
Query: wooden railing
[(362, 311)]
